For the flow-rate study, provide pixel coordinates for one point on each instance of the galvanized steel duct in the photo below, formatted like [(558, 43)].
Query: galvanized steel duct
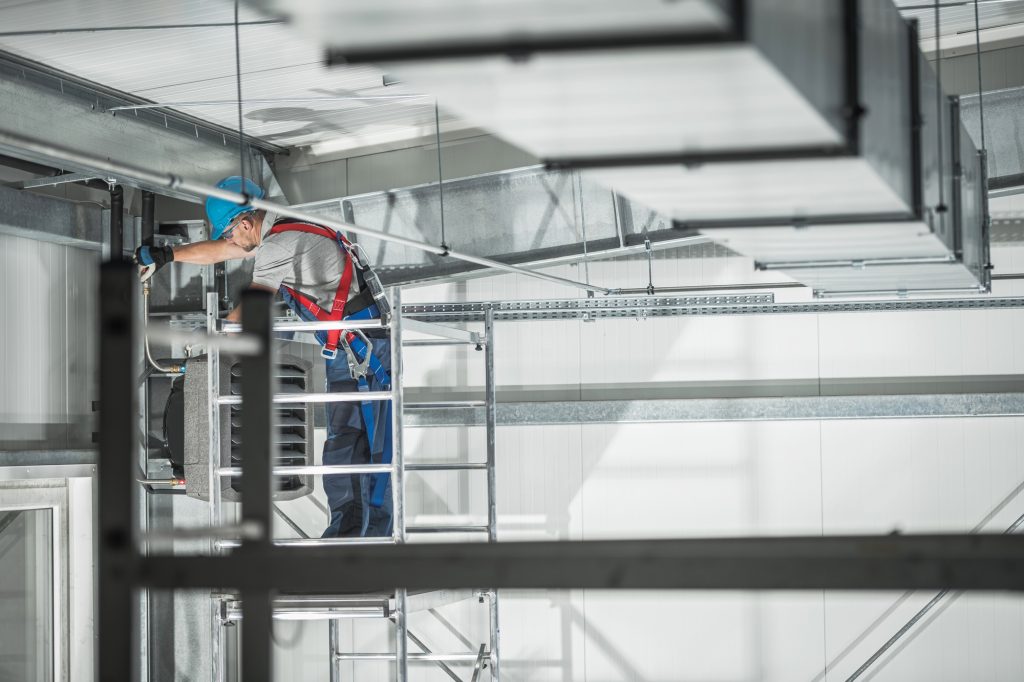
[(174, 182)]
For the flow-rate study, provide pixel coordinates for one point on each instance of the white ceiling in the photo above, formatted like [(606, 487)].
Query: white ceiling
[(956, 17), (290, 97)]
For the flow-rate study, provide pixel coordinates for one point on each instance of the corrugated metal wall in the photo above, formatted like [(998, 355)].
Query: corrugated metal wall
[(47, 345)]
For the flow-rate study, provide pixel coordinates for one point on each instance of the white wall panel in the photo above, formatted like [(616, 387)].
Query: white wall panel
[(47, 344), (706, 479)]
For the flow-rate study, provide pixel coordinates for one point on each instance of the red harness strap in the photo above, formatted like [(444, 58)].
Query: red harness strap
[(341, 295)]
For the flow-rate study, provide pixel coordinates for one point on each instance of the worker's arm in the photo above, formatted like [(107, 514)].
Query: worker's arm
[(236, 314), (210, 251), (152, 258)]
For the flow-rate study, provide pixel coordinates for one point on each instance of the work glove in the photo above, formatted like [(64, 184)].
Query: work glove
[(151, 259)]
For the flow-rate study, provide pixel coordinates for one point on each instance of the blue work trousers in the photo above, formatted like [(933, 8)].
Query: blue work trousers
[(348, 496)]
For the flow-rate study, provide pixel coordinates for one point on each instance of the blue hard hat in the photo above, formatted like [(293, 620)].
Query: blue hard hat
[(221, 212)]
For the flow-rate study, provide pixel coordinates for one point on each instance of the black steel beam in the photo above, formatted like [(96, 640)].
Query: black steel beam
[(1005, 181), (521, 49), (890, 562), (916, 120), (117, 486), (37, 169), (854, 107), (779, 221), (986, 222), (257, 441), (148, 217), (697, 159), (116, 223), (957, 214)]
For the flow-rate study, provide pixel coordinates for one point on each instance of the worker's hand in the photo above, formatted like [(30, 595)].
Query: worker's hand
[(151, 259)]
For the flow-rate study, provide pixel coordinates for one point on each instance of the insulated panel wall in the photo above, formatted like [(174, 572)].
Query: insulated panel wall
[(673, 480), (703, 479), (47, 345)]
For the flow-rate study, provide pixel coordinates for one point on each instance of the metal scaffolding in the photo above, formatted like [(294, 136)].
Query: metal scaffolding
[(304, 572), (227, 608)]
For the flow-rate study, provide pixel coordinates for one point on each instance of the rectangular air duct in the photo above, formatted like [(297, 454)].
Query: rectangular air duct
[(803, 132)]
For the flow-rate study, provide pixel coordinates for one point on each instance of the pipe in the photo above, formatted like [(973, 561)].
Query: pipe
[(174, 369), (706, 288), (302, 398), (316, 470), (148, 217), (174, 182), (116, 223), (450, 658)]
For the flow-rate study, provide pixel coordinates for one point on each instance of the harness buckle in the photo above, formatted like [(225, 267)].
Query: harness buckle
[(358, 369), (328, 353)]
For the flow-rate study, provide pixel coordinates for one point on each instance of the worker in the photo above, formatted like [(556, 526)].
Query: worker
[(321, 276)]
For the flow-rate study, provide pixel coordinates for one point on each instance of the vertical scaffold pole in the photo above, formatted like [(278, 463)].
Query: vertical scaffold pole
[(398, 482), (258, 444), (117, 624), (332, 647), (401, 636), (213, 460), (491, 402), (397, 457)]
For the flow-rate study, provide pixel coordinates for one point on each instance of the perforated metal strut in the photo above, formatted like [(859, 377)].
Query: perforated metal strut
[(648, 306)]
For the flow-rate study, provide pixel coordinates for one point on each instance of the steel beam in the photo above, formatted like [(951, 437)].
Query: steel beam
[(796, 408), (890, 562)]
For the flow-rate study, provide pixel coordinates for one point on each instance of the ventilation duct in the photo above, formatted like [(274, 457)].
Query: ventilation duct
[(809, 135)]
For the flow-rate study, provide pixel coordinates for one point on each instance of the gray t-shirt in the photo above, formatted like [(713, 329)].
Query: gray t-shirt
[(308, 263)]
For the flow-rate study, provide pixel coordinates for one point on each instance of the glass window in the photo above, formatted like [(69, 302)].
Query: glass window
[(26, 595)]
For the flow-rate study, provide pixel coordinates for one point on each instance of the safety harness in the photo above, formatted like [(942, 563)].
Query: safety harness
[(357, 346)]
